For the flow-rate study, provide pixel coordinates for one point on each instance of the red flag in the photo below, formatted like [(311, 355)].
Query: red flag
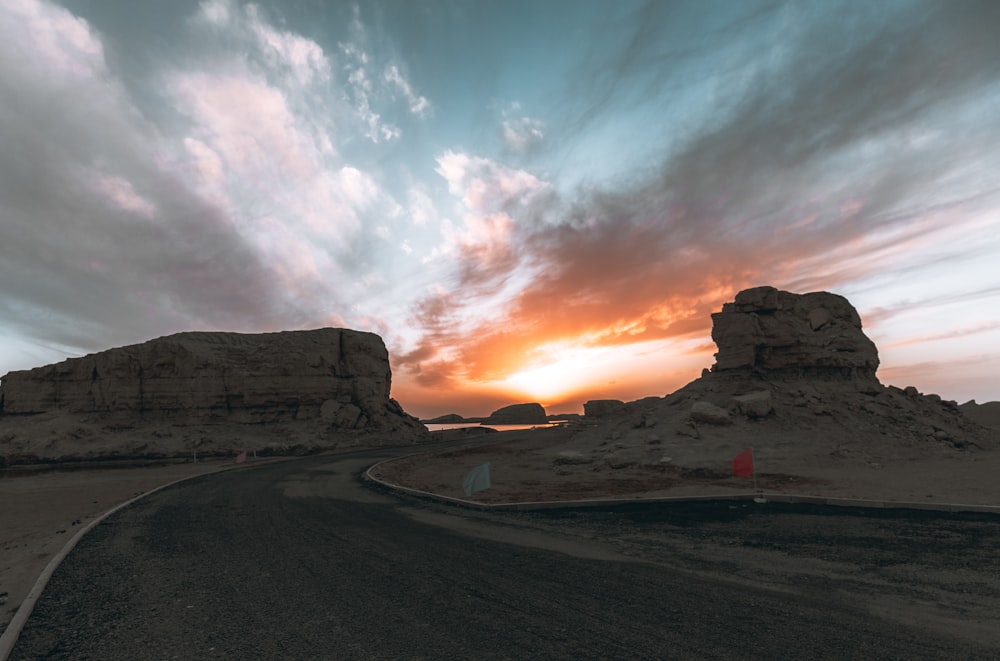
[(241, 457), (743, 463)]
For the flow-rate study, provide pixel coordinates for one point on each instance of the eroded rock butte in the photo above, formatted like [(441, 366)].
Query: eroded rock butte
[(311, 388)]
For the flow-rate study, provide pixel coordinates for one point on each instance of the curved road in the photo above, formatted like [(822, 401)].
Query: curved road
[(299, 560)]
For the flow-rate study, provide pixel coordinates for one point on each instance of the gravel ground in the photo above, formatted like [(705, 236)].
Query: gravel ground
[(300, 560)]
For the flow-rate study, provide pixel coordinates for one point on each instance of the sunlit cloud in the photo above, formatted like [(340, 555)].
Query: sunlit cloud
[(259, 165), (417, 104), (121, 192), (60, 43), (522, 134)]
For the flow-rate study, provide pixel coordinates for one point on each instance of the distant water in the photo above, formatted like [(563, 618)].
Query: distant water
[(461, 425)]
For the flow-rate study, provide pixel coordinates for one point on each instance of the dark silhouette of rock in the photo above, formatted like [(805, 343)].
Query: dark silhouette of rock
[(331, 381), (987, 414), (819, 333), (597, 408), (518, 414), (446, 419)]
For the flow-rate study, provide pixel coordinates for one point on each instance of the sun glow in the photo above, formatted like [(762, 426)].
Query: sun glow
[(564, 369), (570, 371)]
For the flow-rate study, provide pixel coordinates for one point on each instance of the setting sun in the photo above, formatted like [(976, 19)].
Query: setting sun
[(573, 374), (569, 370)]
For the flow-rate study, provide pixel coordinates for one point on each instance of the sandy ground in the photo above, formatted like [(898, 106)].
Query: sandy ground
[(40, 512), (536, 466)]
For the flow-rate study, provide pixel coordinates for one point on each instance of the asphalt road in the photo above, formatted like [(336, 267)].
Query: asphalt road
[(300, 560)]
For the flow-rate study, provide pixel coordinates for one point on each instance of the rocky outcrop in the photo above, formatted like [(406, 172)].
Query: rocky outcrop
[(597, 408), (794, 376), (987, 414), (518, 414), (332, 380), (815, 334)]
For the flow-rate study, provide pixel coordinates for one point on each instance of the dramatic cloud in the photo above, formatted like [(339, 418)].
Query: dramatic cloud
[(252, 166), (763, 196), (99, 241)]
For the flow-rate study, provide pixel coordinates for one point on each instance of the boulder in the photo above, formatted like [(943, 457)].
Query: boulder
[(709, 413), (757, 404), (597, 408), (518, 414)]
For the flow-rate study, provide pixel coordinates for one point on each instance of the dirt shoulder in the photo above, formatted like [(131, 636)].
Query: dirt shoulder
[(542, 465), (42, 511)]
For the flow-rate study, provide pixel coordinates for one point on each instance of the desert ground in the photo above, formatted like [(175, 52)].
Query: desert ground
[(551, 464), (43, 510)]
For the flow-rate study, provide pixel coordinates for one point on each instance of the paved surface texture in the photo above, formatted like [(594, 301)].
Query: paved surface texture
[(300, 560)]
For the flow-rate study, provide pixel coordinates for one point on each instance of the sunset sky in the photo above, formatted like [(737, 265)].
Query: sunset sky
[(529, 201)]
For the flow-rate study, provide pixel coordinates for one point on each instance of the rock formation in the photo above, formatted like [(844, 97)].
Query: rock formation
[(794, 375), (987, 414), (518, 414), (774, 331), (597, 408), (333, 381)]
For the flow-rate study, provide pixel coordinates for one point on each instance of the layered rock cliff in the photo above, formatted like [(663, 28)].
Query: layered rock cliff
[(314, 386)]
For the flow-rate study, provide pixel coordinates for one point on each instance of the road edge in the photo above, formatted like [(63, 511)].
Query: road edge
[(758, 496), (10, 635)]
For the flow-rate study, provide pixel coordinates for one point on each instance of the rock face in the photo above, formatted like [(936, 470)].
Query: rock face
[(336, 379), (597, 408), (518, 414), (766, 329)]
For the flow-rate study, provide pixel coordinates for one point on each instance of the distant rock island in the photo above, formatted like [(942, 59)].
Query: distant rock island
[(518, 414), (514, 414), (206, 392), (446, 419)]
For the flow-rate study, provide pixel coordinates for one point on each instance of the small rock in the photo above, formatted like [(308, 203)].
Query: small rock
[(618, 462), (571, 457), (757, 404), (710, 414)]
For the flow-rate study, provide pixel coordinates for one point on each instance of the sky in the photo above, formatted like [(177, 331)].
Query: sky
[(528, 200)]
